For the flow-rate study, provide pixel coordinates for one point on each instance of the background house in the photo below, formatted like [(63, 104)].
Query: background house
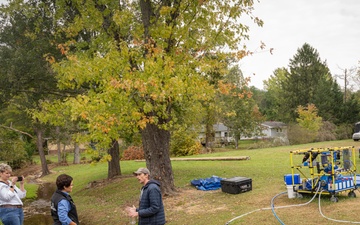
[(223, 135), (274, 129)]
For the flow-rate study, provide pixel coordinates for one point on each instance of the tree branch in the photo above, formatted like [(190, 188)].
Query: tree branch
[(22, 132)]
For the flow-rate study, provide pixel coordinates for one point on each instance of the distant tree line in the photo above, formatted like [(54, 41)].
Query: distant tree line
[(307, 81)]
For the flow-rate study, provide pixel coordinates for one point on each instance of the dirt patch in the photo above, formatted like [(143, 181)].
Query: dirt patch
[(188, 201), (32, 172), (32, 169)]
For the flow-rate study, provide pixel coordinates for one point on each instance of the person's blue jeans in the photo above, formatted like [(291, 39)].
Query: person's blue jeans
[(12, 216)]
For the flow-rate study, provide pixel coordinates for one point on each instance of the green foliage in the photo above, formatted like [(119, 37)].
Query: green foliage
[(239, 110), (132, 153), (274, 107), (12, 148), (143, 72), (308, 77), (300, 135), (96, 158), (344, 131), (31, 190), (184, 143), (327, 132), (28, 40), (351, 107), (24, 43), (133, 138), (129, 65), (30, 149), (308, 118), (306, 81)]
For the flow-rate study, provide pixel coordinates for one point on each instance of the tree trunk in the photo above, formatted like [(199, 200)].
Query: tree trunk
[(209, 137), (58, 144), (156, 143), (237, 137), (76, 153), (114, 163), (63, 155), (39, 143), (236, 142)]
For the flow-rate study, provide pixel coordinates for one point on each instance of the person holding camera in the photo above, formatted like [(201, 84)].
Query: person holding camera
[(11, 206), (63, 209)]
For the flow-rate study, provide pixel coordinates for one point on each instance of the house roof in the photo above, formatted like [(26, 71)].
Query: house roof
[(220, 127), (273, 124)]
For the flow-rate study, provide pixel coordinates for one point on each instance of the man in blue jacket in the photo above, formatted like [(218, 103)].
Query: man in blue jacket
[(151, 208)]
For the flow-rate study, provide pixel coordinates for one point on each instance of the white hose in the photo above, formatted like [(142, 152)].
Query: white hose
[(297, 205), (277, 207), (340, 221)]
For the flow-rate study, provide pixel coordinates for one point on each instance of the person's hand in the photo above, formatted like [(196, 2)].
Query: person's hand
[(131, 211), (13, 180)]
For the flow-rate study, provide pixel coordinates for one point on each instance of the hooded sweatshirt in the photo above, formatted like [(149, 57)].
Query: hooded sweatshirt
[(151, 208)]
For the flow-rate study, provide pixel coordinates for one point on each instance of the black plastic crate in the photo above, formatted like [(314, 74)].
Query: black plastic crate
[(236, 185)]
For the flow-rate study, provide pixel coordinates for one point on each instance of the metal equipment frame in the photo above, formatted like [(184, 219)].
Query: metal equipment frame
[(335, 172)]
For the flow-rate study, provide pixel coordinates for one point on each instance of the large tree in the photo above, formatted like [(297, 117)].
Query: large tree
[(307, 81), (25, 76), (240, 111), (145, 65), (28, 40)]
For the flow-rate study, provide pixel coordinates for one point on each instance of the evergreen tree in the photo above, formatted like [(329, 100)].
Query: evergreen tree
[(309, 81)]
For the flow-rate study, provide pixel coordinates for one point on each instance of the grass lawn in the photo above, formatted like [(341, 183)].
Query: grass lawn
[(105, 201)]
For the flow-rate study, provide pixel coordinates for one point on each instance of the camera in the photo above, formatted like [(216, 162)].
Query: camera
[(20, 179)]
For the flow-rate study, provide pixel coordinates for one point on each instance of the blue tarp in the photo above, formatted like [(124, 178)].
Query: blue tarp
[(206, 184)]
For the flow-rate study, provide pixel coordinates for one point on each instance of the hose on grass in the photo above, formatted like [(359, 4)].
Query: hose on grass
[(339, 221), (273, 207), (287, 206)]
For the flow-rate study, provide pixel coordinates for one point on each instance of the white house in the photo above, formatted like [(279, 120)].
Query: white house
[(274, 129), (221, 134), (271, 129)]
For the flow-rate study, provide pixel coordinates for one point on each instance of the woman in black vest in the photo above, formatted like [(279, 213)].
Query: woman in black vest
[(63, 209)]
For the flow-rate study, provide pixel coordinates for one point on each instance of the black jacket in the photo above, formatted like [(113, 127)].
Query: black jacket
[(55, 199), (151, 208)]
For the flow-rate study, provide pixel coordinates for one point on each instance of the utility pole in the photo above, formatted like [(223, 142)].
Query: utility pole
[(345, 86), (348, 75)]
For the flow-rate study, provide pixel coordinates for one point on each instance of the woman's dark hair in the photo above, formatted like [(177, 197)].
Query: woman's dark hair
[(63, 181)]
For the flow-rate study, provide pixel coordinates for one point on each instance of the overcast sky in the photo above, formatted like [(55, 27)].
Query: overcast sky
[(332, 27)]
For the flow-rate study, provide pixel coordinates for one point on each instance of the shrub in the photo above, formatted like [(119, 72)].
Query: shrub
[(132, 153), (269, 142), (344, 131), (30, 149), (12, 149), (327, 132), (94, 158), (299, 135), (184, 143)]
